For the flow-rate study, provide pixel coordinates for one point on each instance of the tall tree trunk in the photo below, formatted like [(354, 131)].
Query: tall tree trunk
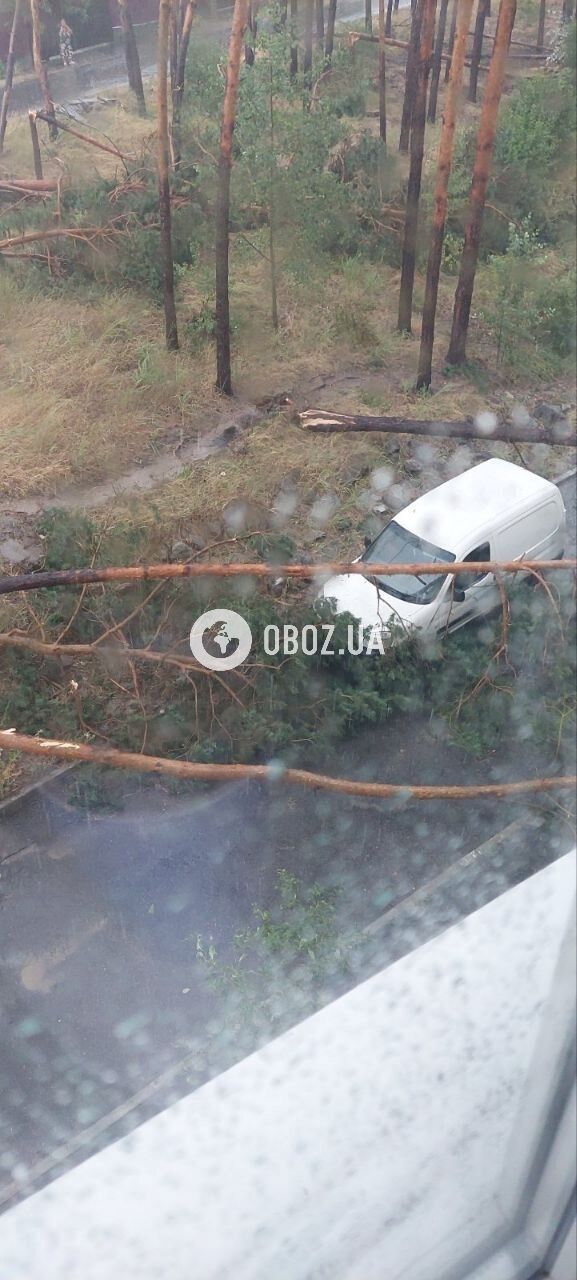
[(330, 31), (9, 73), (170, 325), (294, 57), (272, 209), (178, 91), (131, 56), (451, 39), (382, 74), (444, 163), (411, 76), (222, 211), (416, 167), (39, 67), (389, 21), (437, 61), (477, 50), (308, 44), (369, 16), (481, 172), (173, 43), (320, 23), (541, 27)]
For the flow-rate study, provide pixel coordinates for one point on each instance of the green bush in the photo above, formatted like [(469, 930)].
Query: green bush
[(555, 321)]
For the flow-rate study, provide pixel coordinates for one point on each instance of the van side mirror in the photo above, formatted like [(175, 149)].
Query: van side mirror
[(458, 595), (367, 541)]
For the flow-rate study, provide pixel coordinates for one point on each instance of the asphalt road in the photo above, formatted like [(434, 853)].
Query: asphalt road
[(100, 988), (102, 68)]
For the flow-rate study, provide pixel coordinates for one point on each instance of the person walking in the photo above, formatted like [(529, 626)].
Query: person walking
[(65, 39)]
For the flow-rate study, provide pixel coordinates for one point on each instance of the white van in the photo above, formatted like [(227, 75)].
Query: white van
[(495, 511)]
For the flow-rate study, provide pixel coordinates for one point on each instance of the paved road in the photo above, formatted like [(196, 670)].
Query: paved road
[(102, 68), (99, 986)]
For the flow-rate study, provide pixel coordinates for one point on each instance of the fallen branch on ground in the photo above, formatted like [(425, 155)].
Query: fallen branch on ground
[(10, 740), (86, 234), (28, 186), (465, 429), (84, 137), (108, 653), (250, 569)]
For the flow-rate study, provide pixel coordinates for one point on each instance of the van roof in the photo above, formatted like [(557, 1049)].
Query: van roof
[(477, 498)]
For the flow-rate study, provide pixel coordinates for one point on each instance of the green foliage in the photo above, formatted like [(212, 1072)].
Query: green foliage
[(532, 322), (534, 139), (555, 319), (278, 969)]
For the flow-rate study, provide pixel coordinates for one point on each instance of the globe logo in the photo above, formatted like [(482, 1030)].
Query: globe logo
[(220, 639)]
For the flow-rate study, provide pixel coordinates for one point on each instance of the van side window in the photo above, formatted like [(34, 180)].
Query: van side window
[(464, 580)]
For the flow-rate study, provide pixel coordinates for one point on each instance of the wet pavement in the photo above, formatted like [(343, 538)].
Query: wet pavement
[(101, 993)]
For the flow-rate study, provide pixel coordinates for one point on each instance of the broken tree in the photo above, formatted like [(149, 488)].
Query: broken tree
[(323, 421)]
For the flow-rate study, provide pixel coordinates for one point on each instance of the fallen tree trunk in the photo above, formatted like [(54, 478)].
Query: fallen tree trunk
[(465, 429), (257, 569), (36, 185), (10, 740)]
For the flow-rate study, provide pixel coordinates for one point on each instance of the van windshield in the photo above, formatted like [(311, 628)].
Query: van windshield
[(396, 545)]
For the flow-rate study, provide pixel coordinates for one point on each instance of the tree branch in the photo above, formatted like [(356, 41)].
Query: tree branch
[(326, 569), (322, 420), (10, 740)]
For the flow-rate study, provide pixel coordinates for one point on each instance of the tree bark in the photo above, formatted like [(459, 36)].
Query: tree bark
[(137, 762), (416, 167), (320, 23), (39, 67), (9, 73), (477, 50), (481, 172), (170, 324), (382, 74), (222, 211), (131, 56), (256, 569), (173, 43), (389, 21), (178, 91), (294, 55), (451, 39), (308, 44), (369, 16), (325, 422), (444, 163), (410, 76), (35, 146), (330, 31), (541, 27), (437, 61)]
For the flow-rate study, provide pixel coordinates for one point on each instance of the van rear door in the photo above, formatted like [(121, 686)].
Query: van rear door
[(539, 534)]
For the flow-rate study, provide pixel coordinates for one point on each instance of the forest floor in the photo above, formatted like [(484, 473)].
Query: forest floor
[(89, 394)]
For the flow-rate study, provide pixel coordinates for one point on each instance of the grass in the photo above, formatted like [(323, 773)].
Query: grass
[(89, 391)]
